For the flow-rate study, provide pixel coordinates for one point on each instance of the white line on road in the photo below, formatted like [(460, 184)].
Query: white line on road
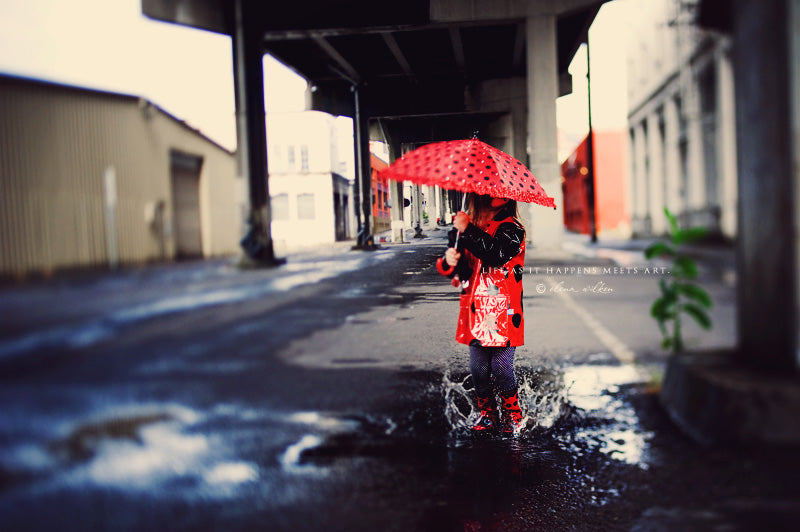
[(617, 347)]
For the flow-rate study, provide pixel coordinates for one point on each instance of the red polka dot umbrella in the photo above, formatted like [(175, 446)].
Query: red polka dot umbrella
[(469, 166)]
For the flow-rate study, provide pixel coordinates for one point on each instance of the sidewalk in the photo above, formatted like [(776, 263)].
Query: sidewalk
[(715, 259), (712, 396)]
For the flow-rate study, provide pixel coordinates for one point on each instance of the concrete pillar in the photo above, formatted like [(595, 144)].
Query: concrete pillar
[(696, 193), (672, 158), (794, 112), (629, 181), (251, 134), (395, 192), (416, 210), (726, 142), (441, 202), (655, 177), (765, 72), (396, 199), (431, 206), (546, 225), (639, 179)]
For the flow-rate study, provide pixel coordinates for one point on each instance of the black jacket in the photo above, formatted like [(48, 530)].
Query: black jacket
[(493, 251)]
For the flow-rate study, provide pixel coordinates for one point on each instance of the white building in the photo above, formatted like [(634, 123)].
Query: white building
[(310, 179), (681, 121)]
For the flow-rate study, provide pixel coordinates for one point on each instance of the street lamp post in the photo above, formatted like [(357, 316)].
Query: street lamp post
[(590, 181)]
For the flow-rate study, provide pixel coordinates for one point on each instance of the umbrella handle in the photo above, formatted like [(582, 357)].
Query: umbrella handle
[(440, 267), (439, 261)]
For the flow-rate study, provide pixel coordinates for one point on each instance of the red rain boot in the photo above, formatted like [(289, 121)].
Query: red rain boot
[(512, 415), (487, 419)]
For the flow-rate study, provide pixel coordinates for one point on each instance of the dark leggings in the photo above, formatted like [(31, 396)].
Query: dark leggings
[(488, 362)]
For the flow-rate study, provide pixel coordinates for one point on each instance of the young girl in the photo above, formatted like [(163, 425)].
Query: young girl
[(488, 264)]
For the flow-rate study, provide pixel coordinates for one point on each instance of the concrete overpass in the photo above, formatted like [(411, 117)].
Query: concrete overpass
[(407, 72)]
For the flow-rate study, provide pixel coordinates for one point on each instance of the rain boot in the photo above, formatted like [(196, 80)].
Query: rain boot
[(512, 415), (487, 418)]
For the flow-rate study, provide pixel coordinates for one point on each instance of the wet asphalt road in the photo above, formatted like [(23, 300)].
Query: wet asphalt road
[(328, 395)]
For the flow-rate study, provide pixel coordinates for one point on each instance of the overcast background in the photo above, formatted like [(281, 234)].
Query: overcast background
[(109, 45)]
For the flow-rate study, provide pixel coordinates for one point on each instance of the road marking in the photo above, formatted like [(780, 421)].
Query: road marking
[(617, 347)]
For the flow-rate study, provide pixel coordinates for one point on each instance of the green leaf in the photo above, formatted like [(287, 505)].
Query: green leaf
[(673, 221), (666, 343), (689, 235), (695, 293), (663, 309), (658, 249), (658, 309), (698, 314), (686, 267)]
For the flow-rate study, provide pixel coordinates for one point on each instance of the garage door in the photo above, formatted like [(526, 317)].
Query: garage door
[(185, 172)]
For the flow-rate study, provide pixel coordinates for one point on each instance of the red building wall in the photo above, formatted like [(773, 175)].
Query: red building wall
[(610, 185)]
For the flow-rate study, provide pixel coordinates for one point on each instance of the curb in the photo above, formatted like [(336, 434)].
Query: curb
[(719, 401)]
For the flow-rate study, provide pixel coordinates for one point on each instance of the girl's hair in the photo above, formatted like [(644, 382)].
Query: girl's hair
[(478, 205)]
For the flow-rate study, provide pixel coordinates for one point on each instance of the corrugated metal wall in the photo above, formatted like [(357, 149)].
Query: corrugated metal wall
[(56, 143)]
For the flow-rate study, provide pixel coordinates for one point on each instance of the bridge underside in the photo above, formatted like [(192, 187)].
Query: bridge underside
[(408, 73)]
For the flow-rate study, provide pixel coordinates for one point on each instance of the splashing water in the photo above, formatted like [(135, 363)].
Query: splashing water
[(542, 398), (459, 407)]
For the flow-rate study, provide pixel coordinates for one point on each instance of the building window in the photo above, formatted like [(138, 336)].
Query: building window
[(304, 158), (305, 207), (290, 159), (274, 159), (280, 206)]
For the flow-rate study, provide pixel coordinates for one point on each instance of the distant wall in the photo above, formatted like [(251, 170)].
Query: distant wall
[(58, 142)]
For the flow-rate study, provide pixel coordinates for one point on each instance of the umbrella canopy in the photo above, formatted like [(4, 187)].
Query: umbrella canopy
[(469, 166)]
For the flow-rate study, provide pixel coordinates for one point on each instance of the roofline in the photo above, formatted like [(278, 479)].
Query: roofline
[(110, 94)]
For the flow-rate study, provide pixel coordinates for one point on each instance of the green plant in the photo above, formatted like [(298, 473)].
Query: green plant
[(678, 294)]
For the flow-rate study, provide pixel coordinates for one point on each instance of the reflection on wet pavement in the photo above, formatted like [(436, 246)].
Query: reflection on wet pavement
[(576, 422), (574, 415), (138, 448)]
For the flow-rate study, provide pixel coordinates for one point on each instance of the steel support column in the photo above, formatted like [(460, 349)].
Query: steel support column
[(251, 134), (363, 167)]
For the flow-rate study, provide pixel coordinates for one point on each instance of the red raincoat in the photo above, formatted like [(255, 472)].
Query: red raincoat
[(490, 313)]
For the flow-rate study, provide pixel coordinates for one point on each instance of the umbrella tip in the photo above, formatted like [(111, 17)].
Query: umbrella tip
[(475, 134)]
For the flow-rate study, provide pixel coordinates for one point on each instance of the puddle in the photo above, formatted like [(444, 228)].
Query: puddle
[(573, 410), (581, 406), (85, 441), (580, 439), (542, 398), (130, 449), (290, 460), (324, 422)]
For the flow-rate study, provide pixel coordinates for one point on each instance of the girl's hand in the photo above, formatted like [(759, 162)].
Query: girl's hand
[(451, 256), (461, 221)]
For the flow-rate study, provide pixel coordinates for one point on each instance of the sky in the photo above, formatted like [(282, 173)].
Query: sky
[(608, 39), (110, 45)]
